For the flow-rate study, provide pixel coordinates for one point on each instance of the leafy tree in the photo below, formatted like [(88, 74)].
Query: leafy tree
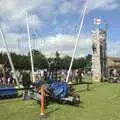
[(40, 61), (57, 60), (89, 62), (66, 62)]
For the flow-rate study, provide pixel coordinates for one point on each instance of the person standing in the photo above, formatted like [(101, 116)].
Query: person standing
[(80, 75), (26, 83), (76, 76)]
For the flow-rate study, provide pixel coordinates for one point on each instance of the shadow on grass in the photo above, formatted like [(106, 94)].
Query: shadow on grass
[(50, 112), (114, 99), (84, 90), (92, 87), (97, 85), (9, 97), (47, 114), (11, 100), (81, 105)]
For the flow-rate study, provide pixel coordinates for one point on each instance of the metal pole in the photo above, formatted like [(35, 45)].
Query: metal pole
[(68, 74), (29, 43), (8, 54), (42, 99)]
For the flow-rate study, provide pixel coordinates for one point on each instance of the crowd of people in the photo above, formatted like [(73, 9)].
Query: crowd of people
[(60, 75), (6, 77), (25, 78)]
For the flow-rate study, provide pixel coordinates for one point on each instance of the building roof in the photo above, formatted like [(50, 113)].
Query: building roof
[(115, 59)]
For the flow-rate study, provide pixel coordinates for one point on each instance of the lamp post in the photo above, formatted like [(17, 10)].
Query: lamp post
[(50, 62)]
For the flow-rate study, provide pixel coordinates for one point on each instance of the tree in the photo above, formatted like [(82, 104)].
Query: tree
[(66, 62), (57, 60), (40, 61), (89, 62)]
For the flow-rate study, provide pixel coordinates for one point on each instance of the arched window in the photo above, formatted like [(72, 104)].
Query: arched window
[(94, 48)]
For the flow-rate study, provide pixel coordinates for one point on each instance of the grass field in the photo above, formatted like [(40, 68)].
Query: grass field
[(102, 102)]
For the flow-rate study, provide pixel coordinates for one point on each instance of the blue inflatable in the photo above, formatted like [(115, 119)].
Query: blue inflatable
[(7, 92), (58, 89)]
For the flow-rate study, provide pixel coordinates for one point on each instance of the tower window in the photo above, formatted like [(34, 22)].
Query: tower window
[(94, 48)]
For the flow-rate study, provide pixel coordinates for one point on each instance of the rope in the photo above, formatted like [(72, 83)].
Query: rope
[(77, 39)]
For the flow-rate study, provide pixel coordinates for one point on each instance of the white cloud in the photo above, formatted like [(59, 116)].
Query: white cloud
[(64, 44), (61, 42), (114, 48), (16, 43), (48, 45), (103, 4), (67, 7), (77, 5), (70, 6), (16, 9), (13, 11), (34, 21)]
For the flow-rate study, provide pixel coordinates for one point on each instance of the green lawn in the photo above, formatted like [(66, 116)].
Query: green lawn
[(102, 102)]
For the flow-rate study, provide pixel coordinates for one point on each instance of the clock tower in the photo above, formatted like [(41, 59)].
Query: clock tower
[(98, 54)]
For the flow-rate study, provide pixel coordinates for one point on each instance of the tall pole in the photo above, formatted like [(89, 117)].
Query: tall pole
[(68, 74), (8, 54), (99, 54), (29, 43)]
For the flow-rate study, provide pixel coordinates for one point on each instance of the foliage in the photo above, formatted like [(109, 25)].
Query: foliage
[(42, 62), (26, 79), (66, 62), (88, 62)]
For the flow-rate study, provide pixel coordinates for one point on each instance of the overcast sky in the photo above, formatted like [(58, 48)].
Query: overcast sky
[(54, 25)]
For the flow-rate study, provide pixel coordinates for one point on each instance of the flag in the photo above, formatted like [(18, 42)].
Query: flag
[(97, 21)]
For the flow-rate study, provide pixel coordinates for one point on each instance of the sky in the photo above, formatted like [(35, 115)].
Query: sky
[(54, 25)]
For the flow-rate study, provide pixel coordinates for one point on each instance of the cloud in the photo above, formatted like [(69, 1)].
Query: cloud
[(64, 43), (12, 17), (68, 6), (71, 6), (16, 9), (33, 21), (103, 4), (48, 45), (12, 12), (114, 48), (16, 43)]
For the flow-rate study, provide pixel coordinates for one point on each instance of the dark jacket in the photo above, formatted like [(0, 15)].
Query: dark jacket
[(26, 80)]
